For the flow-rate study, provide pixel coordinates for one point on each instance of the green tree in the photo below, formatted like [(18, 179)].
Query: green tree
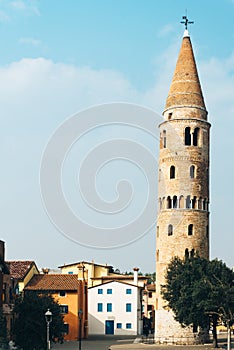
[(3, 331), (30, 326), (199, 291)]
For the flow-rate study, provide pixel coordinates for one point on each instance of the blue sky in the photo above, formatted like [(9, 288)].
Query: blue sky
[(59, 57)]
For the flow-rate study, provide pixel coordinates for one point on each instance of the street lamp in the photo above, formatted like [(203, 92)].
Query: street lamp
[(48, 318), (80, 312)]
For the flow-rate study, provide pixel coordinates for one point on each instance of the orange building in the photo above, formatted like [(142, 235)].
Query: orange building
[(71, 294)]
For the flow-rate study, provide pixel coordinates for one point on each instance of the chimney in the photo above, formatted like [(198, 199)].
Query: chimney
[(135, 280), (2, 250), (45, 270)]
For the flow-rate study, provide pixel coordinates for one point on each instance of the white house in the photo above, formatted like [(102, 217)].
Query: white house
[(115, 308)]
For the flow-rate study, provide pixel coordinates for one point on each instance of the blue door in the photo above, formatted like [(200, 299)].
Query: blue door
[(109, 327)]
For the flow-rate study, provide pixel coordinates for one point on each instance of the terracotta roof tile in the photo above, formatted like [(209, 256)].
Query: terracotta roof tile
[(19, 269), (53, 282)]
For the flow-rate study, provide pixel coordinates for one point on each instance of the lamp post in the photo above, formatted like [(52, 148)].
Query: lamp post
[(80, 313), (48, 318)]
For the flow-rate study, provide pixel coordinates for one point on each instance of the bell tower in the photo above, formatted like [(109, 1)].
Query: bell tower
[(183, 184)]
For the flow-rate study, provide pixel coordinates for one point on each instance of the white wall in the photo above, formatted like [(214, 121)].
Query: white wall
[(118, 298)]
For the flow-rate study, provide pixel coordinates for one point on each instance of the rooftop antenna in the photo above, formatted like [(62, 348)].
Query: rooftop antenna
[(186, 21)]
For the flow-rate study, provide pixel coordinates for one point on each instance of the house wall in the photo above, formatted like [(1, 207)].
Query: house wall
[(2, 259), (90, 271), (33, 271), (118, 298), (71, 300)]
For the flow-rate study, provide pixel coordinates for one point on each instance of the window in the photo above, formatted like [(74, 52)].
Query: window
[(207, 231), (168, 202), (194, 202), (196, 136), (109, 307), (190, 229), (188, 202), (164, 139), (174, 202), (70, 272), (65, 329), (157, 231), (128, 291), (100, 291), (62, 293), (187, 137), (128, 325), (109, 291), (99, 307), (128, 307), (192, 172), (119, 325), (170, 230), (172, 172), (181, 202), (186, 253), (150, 294), (157, 255), (63, 309)]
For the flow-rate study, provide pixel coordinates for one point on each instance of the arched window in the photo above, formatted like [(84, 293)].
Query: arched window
[(192, 253), (168, 202), (174, 202), (187, 136), (159, 174), (188, 202), (157, 255), (181, 202), (170, 230), (190, 229), (196, 135), (186, 253), (207, 231), (157, 231), (192, 172), (194, 201), (164, 139), (172, 172), (159, 204), (200, 203), (204, 204)]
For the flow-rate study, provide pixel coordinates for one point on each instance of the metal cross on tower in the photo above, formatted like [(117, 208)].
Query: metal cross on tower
[(186, 21)]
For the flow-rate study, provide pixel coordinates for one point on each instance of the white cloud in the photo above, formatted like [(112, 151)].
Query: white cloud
[(165, 30), (18, 5), (30, 41), (26, 6), (4, 17)]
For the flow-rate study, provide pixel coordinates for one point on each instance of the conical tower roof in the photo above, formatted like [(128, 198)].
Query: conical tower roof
[(185, 90)]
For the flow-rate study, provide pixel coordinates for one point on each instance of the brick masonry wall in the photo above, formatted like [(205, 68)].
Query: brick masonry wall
[(177, 209)]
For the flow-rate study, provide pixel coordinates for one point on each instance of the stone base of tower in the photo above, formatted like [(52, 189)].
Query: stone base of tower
[(169, 331)]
